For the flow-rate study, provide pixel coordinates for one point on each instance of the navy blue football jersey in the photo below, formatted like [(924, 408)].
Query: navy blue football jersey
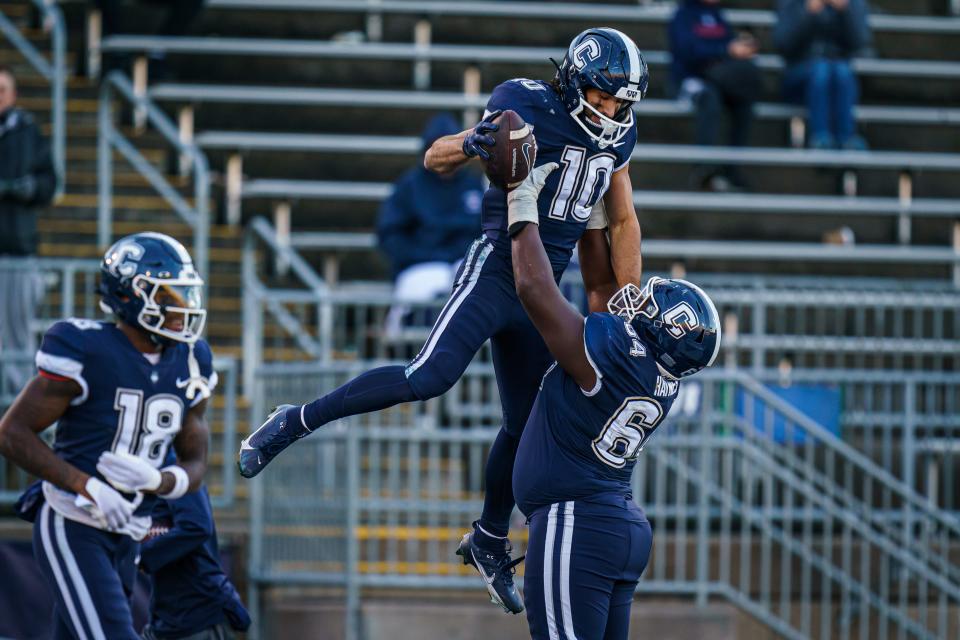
[(579, 444), (583, 177), (127, 403)]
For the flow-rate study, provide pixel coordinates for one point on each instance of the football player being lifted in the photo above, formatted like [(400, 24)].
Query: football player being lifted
[(121, 393), (583, 120)]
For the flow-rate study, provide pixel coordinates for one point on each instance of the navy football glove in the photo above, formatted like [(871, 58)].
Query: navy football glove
[(472, 144)]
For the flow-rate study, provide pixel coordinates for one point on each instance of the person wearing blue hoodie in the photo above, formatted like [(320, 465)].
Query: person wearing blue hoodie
[(713, 68), (426, 225), (192, 598), (817, 39)]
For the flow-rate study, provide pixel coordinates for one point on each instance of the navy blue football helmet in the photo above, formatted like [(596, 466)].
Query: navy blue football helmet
[(676, 320), (608, 60), (147, 278)]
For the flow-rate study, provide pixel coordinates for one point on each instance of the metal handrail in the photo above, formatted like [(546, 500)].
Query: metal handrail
[(54, 72), (894, 535), (809, 556), (109, 137), (256, 296)]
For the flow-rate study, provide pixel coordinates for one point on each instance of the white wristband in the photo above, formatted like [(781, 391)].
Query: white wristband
[(598, 216), (181, 484)]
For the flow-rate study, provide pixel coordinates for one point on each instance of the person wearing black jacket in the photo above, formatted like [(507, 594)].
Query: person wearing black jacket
[(27, 182), (712, 66), (817, 39), (27, 177), (192, 598)]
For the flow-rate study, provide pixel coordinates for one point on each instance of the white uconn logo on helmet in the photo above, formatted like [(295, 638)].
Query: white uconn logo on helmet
[(586, 51), (123, 260), (679, 320)]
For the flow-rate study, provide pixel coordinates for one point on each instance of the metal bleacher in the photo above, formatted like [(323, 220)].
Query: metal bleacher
[(202, 46), (627, 12)]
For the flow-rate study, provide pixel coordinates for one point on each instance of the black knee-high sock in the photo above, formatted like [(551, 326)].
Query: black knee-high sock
[(498, 501), (371, 391)]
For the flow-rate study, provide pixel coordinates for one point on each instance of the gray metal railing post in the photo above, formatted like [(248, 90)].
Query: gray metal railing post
[(201, 232), (104, 168), (69, 293), (703, 498), (252, 316), (255, 563), (229, 368), (909, 449), (352, 626), (54, 17), (759, 330)]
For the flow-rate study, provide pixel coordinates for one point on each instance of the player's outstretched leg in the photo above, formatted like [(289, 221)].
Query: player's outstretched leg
[(496, 568), (371, 391), (471, 315)]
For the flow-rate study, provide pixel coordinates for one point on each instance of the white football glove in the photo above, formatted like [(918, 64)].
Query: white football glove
[(522, 201), (128, 473), (108, 506)]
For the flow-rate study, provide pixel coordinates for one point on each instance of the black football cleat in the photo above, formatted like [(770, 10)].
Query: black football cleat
[(496, 569), (266, 443)]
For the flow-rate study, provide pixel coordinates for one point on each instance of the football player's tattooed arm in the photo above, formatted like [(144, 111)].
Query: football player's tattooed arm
[(624, 229), (557, 321), (599, 280), (191, 447), (41, 403), (446, 154)]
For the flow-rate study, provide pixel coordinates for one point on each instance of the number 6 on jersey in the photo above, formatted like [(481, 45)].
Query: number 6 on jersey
[(624, 434)]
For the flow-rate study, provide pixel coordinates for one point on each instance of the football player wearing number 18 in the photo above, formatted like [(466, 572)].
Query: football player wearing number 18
[(583, 120), (120, 394), (615, 377)]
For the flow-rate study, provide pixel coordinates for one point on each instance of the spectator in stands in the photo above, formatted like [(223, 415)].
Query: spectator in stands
[(27, 182), (713, 68), (180, 15), (817, 39), (426, 225)]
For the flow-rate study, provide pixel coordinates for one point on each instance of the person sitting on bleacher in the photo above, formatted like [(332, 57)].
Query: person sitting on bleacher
[(817, 39), (425, 227), (180, 14), (713, 68)]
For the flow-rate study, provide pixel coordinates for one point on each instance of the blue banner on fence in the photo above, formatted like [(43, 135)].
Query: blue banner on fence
[(821, 403)]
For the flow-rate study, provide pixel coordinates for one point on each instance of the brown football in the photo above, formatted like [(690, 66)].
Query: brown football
[(514, 154)]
